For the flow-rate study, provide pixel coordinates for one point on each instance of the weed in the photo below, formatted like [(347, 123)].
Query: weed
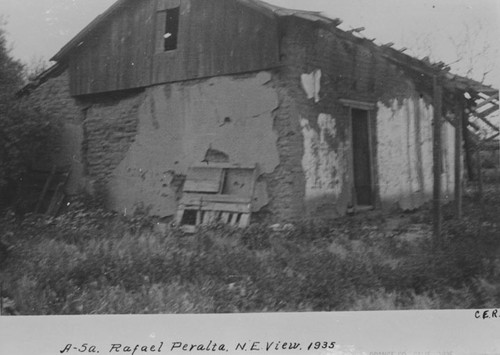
[(90, 260)]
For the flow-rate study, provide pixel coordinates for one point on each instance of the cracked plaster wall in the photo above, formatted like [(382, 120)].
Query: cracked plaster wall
[(141, 145), (402, 169), (324, 168), (178, 123), (405, 160)]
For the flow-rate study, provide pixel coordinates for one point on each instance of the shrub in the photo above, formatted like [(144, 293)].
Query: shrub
[(24, 131)]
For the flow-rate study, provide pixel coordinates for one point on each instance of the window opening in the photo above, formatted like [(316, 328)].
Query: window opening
[(171, 29)]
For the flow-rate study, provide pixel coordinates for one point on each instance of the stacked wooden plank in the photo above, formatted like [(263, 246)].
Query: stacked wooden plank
[(217, 193)]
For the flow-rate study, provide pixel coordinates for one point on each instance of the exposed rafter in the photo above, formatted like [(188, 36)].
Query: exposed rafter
[(484, 114), (489, 100), (473, 125), (492, 137)]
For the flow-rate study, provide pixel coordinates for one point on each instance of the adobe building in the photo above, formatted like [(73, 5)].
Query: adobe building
[(323, 120)]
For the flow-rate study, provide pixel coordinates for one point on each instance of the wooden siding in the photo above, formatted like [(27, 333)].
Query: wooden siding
[(117, 55), (215, 37)]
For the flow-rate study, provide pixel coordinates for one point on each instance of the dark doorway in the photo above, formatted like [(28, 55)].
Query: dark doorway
[(362, 157)]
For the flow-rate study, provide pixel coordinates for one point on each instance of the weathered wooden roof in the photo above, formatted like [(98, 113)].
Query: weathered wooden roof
[(257, 5), (450, 80), (274, 10), (53, 71)]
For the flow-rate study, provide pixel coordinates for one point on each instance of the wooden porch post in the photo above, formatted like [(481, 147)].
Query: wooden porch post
[(437, 159), (459, 112)]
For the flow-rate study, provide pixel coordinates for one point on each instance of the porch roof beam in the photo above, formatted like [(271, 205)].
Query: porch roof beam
[(492, 137), (488, 100)]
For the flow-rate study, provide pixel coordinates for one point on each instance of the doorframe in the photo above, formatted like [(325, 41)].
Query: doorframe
[(370, 108)]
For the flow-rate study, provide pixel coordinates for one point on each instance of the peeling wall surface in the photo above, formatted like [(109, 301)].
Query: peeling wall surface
[(296, 122), (311, 83), (324, 77), (324, 168), (179, 123), (448, 173), (405, 158)]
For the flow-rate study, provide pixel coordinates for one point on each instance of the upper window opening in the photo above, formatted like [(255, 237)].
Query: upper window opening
[(171, 29)]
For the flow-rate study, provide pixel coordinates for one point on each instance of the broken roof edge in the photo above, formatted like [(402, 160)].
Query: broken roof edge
[(278, 11), (465, 83), (53, 71), (439, 69)]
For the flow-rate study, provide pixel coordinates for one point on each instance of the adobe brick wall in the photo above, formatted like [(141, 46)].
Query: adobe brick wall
[(350, 70), (179, 124), (110, 125), (52, 97), (286, 184), (313, 177), (96, 132)]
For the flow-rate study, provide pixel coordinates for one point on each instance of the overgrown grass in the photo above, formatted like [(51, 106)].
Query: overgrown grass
[(92, 261)]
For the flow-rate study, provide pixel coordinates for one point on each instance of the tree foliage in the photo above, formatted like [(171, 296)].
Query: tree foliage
[(10, 71), (24, 132)]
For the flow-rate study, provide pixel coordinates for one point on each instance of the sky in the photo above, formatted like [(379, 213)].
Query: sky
[(444, 30)]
